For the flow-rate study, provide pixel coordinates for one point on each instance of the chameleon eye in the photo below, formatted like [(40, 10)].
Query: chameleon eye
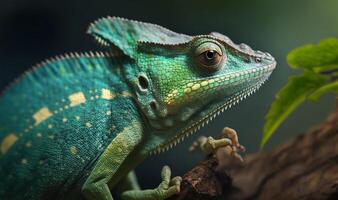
[(209, 55)]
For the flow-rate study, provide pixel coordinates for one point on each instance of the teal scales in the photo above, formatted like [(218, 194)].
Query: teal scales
[(68, 129), (77, 125)]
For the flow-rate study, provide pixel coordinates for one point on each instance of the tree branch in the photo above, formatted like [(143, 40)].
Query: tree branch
[(304, 168)]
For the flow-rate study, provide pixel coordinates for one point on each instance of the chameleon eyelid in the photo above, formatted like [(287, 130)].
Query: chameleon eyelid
[(208, 46)]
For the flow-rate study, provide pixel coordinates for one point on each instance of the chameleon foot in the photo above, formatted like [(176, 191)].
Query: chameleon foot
[(228, 142), (167, 188)]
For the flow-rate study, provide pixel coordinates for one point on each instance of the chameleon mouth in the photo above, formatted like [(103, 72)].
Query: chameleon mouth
[(218, 109)]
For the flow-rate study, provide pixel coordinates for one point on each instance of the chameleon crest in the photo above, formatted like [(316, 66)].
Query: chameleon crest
[(76, 126)]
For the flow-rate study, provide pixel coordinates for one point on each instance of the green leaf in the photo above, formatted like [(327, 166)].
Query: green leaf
[(331, 87), (325, 68), (288, 99), (323, 56)]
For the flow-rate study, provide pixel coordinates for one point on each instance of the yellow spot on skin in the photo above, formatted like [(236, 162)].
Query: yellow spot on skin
[(8, 142), (73, 150), (24, 161), (76, 99), (187, 90), (204, 83), (88, 124), (42, 115), (196, 86), (77, 118), (64, 120), (51, 137), (28, 144), (190, 84), (39, 135), (107, 94), (126, 94), (108, 112), (66, 107), (97, 96), (50, 126)]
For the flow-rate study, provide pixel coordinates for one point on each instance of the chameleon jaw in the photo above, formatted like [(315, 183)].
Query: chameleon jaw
[(193, 128)]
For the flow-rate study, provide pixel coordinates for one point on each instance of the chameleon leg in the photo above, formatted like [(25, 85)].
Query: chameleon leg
[(129, 182), (166, 189), (113, 164)]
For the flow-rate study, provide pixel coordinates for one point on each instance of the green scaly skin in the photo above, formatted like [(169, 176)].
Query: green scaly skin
[(77, 125)]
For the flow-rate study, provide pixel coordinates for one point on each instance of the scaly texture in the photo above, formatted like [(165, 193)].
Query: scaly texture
[(77, 125)]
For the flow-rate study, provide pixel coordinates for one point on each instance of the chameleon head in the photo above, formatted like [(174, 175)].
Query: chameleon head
[(181, 82), (194, 81)]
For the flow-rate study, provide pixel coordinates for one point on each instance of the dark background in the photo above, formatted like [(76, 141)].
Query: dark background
[(32, 30)]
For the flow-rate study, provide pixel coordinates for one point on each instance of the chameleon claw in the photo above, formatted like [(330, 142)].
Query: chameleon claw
[(215, 144), (232, 135), (165, 174), (176, 183)]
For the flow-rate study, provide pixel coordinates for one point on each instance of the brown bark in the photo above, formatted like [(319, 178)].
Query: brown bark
[(304, 168)]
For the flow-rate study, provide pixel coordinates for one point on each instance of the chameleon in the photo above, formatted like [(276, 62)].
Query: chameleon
[(75, 126)]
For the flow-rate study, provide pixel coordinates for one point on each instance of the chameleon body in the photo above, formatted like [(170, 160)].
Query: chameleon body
[(77, 125)]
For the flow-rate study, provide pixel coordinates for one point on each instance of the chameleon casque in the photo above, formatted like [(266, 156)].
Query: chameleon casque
[(77, 125)]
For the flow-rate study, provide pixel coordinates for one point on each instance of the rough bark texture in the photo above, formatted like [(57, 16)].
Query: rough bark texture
[(304, 168)]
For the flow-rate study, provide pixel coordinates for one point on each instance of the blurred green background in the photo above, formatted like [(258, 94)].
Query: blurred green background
[(32, 30)]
